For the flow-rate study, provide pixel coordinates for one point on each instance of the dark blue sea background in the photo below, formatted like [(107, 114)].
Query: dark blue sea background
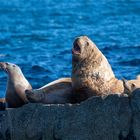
[(37, 35)]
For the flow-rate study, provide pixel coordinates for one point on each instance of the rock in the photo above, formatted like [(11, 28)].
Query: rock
[(111, 118), (135, 121)]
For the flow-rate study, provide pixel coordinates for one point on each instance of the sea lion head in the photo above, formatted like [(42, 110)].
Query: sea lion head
[(83, 48), (10, 68)]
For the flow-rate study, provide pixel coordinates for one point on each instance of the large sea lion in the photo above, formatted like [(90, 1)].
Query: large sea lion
[(16, 85), (91, 75)]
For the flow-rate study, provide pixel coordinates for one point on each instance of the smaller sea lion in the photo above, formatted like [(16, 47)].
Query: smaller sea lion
[(16, 85), (56, 92), (131, 85)]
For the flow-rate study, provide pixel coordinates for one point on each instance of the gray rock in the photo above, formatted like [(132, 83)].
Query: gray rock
[(111, 118)]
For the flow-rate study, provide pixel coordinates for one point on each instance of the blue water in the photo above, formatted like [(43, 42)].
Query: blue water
[(38, 34)]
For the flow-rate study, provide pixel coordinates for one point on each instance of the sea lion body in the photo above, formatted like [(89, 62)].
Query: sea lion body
[(92, 74), (56, 92), (16, 85)]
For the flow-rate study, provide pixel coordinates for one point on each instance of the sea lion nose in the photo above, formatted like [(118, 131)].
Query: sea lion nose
[(82, 41)]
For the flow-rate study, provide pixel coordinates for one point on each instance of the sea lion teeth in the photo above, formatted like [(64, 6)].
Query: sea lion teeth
[(16, 85)]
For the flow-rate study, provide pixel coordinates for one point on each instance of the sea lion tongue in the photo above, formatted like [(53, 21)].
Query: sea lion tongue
[(76, 47)]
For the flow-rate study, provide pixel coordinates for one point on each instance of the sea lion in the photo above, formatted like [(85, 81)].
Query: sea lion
[(92, 74), (56, 92), (16, 85), (131, 85)]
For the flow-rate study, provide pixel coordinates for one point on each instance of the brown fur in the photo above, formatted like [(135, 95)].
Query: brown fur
[(16, 85), (91, 73), (56, 92), (91, 76)]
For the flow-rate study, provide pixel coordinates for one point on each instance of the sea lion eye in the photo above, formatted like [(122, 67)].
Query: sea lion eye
[(6, 63), (14, 66)]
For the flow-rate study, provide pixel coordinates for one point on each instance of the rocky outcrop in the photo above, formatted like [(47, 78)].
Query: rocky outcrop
[(110, 118)]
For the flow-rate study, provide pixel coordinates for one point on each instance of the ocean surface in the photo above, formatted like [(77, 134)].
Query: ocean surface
[(37, 35)]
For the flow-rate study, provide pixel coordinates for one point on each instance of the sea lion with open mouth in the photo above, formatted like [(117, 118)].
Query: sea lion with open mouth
[(91, 76), (16, 85)]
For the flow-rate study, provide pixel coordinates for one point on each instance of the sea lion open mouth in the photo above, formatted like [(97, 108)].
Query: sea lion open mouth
[(76, 48), (3, 66)]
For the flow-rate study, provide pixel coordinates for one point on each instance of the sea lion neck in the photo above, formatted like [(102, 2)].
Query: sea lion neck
[(88, 64), (13, 72), (16, 77)]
